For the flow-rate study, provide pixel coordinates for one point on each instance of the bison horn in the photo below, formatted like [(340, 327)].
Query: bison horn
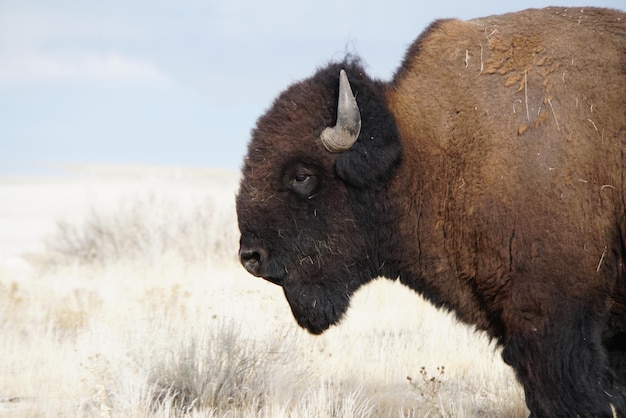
[(344, 134)]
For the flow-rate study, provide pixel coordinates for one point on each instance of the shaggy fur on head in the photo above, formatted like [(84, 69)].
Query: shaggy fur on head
[(489, 176), (303, 233)]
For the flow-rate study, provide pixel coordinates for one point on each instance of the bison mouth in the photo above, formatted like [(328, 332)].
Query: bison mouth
[(316, 308)]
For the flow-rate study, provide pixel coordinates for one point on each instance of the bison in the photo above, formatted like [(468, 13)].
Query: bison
[(489, 175)]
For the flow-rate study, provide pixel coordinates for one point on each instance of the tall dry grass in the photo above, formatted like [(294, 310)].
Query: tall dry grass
[(141, 311)]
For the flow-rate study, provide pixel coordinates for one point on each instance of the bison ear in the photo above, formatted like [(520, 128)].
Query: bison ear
[(372, 159)]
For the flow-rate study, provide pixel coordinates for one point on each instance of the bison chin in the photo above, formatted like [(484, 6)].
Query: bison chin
[(315, 308)]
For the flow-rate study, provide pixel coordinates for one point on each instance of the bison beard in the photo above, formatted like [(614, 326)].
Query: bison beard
[(315, 308), (488, 176)]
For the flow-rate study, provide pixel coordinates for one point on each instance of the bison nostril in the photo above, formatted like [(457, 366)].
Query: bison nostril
[(253, 259)]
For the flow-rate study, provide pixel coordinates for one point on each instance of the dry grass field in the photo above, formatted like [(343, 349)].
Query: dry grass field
[(121, 296)]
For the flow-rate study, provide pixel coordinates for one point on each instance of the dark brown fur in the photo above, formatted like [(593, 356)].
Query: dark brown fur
[(488, 176)]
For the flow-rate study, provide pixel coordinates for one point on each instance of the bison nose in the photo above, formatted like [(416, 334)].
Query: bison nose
[(254, 260)]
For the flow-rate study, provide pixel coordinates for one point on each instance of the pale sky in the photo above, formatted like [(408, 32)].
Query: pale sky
[(181, 82)]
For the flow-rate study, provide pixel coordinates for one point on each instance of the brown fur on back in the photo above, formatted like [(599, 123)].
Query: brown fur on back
[(516, 143)]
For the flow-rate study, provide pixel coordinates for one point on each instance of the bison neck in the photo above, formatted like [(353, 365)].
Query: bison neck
[(424, 252), (438, 252)]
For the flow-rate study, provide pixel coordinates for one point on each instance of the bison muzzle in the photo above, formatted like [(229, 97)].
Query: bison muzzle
[(488, 175)]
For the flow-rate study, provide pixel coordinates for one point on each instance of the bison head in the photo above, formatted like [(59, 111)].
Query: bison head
[(311, 205)]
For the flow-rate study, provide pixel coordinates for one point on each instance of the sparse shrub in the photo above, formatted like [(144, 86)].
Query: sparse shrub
[(217, 370), (11, 302), (184, 372), (428, 386), (73, 312), (68, 320), (147, 229)]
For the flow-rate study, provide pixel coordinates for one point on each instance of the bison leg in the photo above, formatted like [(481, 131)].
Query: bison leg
[(563, 366)]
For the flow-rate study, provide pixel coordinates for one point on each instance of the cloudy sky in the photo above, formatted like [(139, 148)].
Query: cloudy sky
[(181, 82)]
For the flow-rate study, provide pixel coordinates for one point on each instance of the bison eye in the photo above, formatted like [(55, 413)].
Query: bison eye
[(300, 177), (302, 181)]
